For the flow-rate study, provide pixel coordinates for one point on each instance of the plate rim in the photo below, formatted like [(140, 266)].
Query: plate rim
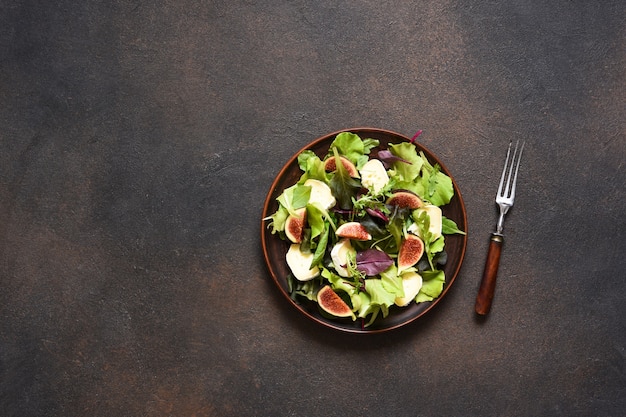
[(265, 233)]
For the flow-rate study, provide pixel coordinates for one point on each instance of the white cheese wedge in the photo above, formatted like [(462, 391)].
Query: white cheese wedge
[(300, 263), (320, 193), (434, 213), (339, 255), (412, 283), (374, 175)]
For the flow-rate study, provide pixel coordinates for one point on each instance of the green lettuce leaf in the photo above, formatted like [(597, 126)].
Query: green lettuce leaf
[(291, 199), (338, 283), (307, 289), (278, 219), (304, 157), (432, 286), (295, 197), (436, 186), (392, 282), (316, 218), (378, 293), (407, 173), (312, 167), (353, 147)]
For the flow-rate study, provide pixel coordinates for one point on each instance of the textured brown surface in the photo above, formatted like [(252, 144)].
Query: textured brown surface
[(139, 139)]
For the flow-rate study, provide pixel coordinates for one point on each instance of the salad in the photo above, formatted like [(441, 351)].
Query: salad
[(365, 229)]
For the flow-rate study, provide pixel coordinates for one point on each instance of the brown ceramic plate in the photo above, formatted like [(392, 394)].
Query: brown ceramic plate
[(274, 249)]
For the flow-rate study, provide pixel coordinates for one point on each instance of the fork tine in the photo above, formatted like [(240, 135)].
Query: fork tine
[(506, 162), (519, 158), (507, 189)]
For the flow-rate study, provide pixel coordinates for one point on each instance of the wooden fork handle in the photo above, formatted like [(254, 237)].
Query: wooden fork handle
[(488, 282)]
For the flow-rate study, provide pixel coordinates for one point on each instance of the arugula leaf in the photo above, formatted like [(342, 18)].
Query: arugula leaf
[(437, 245), (422, 221), (431, 247), (449, 227), (372, 205), (355, 273), (320, 251), (396, 230), (369, 144)]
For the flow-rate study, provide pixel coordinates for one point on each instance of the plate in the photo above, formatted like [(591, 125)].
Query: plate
[(275, 249)]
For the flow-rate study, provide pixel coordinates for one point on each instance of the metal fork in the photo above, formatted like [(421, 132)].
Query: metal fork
[(504, 198)]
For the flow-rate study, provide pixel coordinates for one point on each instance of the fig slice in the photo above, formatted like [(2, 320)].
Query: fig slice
[(330, 165), (330, 302), (294, 225), (411, 250), (405, 199), (353, 230)]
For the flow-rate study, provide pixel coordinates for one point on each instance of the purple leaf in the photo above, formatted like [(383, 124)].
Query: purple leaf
[(419, 132), (387, 158), (377, 213), (373, 261), (341, 211)]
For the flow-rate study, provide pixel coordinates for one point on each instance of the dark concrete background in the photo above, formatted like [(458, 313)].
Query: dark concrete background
[(139, 140)]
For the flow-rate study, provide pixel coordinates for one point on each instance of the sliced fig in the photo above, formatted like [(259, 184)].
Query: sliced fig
[(405, 199), (294, 225), (411, 250), (353, 230), (330, 165), (331, 303)]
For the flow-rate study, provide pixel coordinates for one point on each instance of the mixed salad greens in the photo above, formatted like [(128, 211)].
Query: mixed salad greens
[(366, 232)]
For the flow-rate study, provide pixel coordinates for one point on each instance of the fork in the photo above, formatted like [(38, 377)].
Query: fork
[(504, 199)]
